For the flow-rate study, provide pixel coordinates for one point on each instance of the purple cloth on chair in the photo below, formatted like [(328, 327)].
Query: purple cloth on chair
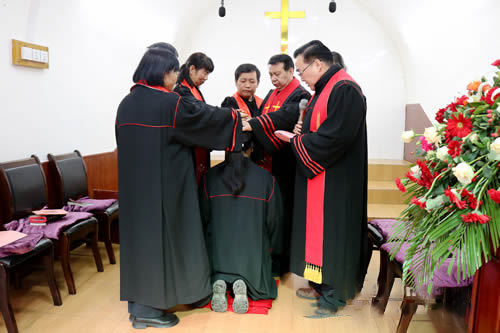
[(441, 279), (21, 246), (385, 226), (52, 229), (90, 204)]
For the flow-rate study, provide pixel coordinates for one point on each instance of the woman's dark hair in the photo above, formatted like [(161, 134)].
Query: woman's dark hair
[(337, 59), (282, 58), (315, 50), (199, 61), (166, 46), (235, 167), (153, 66), (246, 68)]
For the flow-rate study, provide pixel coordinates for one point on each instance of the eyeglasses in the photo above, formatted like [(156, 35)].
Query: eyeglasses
[(302, 72)]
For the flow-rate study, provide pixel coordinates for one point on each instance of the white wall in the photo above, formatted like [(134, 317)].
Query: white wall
[(399, 53)]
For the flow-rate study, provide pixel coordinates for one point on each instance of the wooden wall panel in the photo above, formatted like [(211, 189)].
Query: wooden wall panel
[(102, 172)]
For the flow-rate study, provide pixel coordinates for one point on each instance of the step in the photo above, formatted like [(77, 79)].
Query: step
[(384, 192), (386, 170), (384, 211)]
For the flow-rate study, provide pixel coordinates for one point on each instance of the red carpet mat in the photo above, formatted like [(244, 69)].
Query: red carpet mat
[(260, 306)]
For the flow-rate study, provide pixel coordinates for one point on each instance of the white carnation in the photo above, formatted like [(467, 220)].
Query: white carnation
[(416, 172), (442, 153)]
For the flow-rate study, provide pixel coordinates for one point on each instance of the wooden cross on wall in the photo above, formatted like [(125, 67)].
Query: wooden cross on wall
[(284, 15)]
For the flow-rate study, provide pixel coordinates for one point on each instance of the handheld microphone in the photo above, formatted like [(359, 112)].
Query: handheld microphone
[(332, 7), (302, 107)]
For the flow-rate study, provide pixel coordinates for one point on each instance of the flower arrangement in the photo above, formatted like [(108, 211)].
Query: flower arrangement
[(453, 191)]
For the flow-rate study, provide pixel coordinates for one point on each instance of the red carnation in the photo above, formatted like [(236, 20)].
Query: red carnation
[(454, 199), (496, 63), (494, 195), (471, 199), (471, 217), (426, 179), (400, 185), (417, 202), (489, 94), (459, 126), (440, 115), (454, 148)]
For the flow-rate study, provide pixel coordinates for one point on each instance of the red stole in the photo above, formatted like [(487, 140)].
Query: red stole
[(242, 105), (316, 191), (274, 103), (193, 90), (201, 155), (276, 100), (143, 83)]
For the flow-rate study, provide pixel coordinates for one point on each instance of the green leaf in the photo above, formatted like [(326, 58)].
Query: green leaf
[(487, 172)]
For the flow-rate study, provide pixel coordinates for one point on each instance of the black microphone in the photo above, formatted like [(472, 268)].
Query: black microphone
[(222, 10), (333, 7)]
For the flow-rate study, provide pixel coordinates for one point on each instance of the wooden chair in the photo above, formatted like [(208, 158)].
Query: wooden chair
[(30, 175), (70, 176), (33, 195)]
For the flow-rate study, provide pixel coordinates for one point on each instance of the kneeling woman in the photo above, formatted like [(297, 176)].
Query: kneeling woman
[(242, 213)]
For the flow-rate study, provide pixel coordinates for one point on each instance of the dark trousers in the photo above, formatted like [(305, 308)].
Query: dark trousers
[(143, 311), (327, 298)]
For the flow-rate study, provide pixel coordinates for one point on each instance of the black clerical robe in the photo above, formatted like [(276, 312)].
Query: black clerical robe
[(201, 156), (242, 230), (282, 106), (336, 149), (251, 105), (163, 254), (329, 236)]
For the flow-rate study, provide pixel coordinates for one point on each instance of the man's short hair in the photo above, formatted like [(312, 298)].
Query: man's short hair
[(165, 46), (155, 63), (314, 50), (246, 68), (285, 59)]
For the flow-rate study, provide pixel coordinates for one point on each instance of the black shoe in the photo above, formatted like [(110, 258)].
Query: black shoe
[(167, 320)]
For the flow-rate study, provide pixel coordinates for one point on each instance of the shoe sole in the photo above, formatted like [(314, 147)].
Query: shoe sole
[(306, 297), (142, 325), (219, 300), (240, 304)]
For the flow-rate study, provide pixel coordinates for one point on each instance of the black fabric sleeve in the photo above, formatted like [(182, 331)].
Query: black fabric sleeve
[(274, 218), (346, 112), (202, 125), (229, 102), (204, 202)]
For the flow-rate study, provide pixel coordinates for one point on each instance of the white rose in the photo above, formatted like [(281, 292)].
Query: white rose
[(407, 136), (442, 153), (495, 146), (464, 173), (431, 153), (431, 135), (417, 173)]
